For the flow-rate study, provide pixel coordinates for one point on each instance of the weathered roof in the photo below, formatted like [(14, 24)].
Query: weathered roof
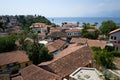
[(79, 40), (69, 60), (12, 57), (90, 42), (73, 30), (57, 34), (114, 31), (96, 43), (56, 45), (33, 72)]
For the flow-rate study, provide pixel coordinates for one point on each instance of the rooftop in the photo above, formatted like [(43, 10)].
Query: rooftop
[(96, 43), (69, 60), (73, 30), (33, 72), (13, 57), (56, 45), (116, 30), (86, 74)]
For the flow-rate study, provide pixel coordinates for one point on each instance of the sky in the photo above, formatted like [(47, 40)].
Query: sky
[(61, 8)]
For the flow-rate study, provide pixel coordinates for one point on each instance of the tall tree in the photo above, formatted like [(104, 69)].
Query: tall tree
[(107, 26)]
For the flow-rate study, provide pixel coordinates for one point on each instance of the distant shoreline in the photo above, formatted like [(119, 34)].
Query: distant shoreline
[(91, 20)]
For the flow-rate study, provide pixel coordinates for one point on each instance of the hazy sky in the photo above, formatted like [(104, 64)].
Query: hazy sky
[(61, 8)]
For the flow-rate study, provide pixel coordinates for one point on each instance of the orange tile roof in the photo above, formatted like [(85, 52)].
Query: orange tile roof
[(90, 42), (57, 34), (79, 40), (73, 30), (12, 57), (116, 30), (33, 72), (96, 43), (56, 45), (69, 60)]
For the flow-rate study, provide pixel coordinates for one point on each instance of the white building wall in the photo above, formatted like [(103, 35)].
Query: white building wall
[(117, 35), (73, 34)]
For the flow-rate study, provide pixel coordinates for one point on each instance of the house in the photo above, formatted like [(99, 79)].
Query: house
[(15, 60), (70, 25), (114, 38), (73, 32), (56, 35), (89, 42), (79, 41), (14, 30), (56, 46), (84, 73), (69, 60), (13, 21), (39, 28), (33, 72)]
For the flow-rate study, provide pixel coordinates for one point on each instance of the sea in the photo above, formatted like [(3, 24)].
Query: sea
[(81, 20)]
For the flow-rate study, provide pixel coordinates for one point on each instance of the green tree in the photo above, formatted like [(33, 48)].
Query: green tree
[(107, 26), (106, 59), (103, 57), (3, 25), (39, 53), (87, 34), (7, 43)]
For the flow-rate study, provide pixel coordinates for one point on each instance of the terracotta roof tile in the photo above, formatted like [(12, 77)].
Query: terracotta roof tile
[(90, 42), (56, 45), (73, 30), (72, 60), (79, 40), (116, 30), (14, 56), (57, 34), (96, 43), (33, 72)]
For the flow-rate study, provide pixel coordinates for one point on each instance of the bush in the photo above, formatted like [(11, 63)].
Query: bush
[(115, 53), (7, 43)]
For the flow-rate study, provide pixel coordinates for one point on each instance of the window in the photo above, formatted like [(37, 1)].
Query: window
[(111, 37), (115, 38)]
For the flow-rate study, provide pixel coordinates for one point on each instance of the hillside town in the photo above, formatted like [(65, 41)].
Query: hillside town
[(33, 48)]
